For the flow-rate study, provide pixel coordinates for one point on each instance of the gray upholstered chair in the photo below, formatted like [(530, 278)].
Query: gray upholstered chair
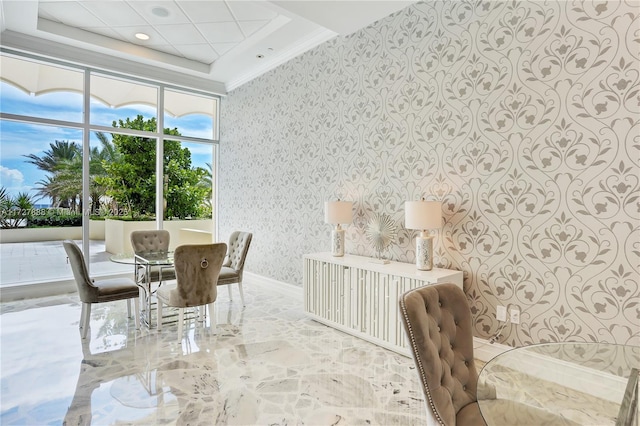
[(91, 291), (197, 270), (233, 265), (437, 321), (155, 240)]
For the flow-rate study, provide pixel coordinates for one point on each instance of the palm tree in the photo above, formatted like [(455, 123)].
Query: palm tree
[(58, 150), (50, 161), (63, 163), (107, 153), (14, 210), (6, 204), (206, 181)]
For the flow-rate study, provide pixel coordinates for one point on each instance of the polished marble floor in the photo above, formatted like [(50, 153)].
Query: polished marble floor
[(263, 364)]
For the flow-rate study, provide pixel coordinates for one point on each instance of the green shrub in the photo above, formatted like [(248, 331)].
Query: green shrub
[(54, 218)]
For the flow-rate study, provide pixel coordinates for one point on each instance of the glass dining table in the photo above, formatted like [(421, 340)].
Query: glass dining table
[(144, 263), (561, 383)]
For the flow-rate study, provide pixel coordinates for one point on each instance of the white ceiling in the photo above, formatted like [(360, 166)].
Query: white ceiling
[(214, 45)]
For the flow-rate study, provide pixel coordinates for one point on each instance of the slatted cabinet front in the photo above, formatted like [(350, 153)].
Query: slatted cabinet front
[(359, 298)]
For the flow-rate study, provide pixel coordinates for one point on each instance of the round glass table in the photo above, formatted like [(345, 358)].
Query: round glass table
[(127, 258), (561, 383)]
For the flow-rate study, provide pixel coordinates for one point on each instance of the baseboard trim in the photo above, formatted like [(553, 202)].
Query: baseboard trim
[(485, 351), (273, 284)]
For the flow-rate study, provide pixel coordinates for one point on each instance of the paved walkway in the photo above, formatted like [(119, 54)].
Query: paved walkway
[(22, 263)]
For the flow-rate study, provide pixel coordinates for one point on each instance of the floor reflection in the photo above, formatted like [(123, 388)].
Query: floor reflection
[(265, 363)]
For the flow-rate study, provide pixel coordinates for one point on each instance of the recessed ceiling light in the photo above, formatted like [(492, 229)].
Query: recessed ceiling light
[(160, 11), (142, 36), (259, 56)]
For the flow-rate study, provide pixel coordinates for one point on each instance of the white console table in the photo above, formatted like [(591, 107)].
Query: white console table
[(360, 297)]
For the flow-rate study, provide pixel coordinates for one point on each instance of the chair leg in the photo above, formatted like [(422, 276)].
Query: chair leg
[(212, 315), (180, 322), (128, 308), (87, 317), (136, 308), (230, 295), (241, 292), (159, 315), (202, 313), (83, 312)]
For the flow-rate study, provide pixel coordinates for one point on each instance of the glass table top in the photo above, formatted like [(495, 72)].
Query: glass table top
[(562, 383), (127, 258), (155, 257)]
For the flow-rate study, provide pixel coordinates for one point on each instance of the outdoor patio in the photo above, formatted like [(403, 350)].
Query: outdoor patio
[(38, 262)]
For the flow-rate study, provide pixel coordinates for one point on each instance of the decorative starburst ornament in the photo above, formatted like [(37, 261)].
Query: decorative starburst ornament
[(380, 232)]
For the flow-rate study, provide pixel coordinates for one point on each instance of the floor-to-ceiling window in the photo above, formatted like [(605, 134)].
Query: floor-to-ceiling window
[(73, 161)]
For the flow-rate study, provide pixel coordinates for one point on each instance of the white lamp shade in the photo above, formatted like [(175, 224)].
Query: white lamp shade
[(338, 212), (423, 215)]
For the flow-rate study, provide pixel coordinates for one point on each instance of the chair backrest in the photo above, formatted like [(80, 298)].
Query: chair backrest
[(238, 247), (86, 290), (155, 240), (437, 321), (197, 270)]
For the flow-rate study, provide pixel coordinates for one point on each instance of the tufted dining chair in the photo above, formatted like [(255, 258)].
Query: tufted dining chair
[(197, 270), (437, 322), (155, 240), (92, 291), (233, 265)]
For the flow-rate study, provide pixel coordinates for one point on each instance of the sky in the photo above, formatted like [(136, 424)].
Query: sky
[(20, 139)]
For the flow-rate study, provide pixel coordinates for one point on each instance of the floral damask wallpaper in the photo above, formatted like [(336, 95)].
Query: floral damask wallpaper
[(523, 118)]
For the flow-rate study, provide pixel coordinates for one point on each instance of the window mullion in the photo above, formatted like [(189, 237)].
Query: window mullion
[(86, 135)]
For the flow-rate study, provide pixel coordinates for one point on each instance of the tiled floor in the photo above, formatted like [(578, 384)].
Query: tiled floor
[(264, 364)]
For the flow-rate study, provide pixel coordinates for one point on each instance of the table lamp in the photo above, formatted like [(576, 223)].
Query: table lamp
[(423, 215), (337, 213)]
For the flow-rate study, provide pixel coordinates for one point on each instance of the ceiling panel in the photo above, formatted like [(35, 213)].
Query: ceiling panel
[(250, 11), (167, 48), (181, 34), (223, 48), (147, 9), (71, 13), (221, 32), (106, 31), (114, 14), (199, 52), (211, 11), (128, 34), (250, 27)]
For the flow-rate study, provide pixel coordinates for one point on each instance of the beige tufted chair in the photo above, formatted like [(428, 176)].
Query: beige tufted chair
[(156, 240), (91, 291), (437, 321), (234, 263), (197, 270)]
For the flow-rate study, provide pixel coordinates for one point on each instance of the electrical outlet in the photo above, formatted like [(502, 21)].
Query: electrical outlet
[(501, 313), (515, 316)]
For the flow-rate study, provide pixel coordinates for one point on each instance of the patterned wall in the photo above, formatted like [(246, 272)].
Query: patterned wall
[(522, 117)]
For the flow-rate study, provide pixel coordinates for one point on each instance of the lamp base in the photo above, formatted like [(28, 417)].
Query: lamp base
[(424, 252), (337, 242)]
